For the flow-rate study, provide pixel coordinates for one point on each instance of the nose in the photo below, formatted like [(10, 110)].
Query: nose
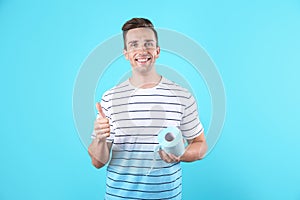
[(142, 49)]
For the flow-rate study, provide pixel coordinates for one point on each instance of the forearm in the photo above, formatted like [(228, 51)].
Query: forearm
[(99, 153), (195, 151)]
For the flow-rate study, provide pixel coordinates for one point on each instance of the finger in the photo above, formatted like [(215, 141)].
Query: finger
[(102, 121), (102, 132), (160, 154), (105, 130), (103, 126), (168, 157), (102, 136), (100, 111), (174, 158), (164, 156)]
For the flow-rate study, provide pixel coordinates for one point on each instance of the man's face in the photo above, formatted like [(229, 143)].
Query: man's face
[(141, 49)]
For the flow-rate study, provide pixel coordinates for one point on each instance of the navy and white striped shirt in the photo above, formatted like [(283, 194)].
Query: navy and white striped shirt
[(136, 116)]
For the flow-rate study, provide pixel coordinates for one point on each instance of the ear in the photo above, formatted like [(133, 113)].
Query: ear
[(125, 53), (157, 52)]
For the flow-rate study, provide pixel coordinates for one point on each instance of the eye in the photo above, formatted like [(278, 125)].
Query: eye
[(133, 45), (149, 44)]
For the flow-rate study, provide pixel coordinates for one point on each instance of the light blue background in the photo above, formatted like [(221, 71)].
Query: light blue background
[(255, 45)]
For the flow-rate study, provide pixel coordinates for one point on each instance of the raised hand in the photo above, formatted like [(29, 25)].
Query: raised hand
[(101, 125)]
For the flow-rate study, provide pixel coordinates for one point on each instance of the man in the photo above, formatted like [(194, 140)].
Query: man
[(130, 117)]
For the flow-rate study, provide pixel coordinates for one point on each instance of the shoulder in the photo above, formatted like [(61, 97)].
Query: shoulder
[(119, 88), (175, 88)]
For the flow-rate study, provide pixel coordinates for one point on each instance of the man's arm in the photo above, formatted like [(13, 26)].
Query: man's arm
[(195, 150), (99, 152), (99, 149)]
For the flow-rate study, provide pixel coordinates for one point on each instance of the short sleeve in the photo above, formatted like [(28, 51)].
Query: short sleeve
[(190, 124)]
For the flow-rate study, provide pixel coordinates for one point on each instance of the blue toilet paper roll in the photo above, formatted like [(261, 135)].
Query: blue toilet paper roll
[(170, 140)]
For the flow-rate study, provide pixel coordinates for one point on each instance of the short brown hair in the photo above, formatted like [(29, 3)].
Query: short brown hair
[(138, 23)]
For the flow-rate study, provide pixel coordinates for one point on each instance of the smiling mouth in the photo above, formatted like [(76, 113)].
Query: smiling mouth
[(142, 60)]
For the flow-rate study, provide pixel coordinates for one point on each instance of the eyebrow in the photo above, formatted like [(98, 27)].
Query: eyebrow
[(149, 40), (135, 41)]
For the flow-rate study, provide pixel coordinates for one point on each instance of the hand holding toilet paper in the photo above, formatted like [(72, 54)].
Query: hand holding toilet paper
[(170, 140)]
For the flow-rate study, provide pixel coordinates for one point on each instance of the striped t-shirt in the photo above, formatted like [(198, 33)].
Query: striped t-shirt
[(136, 116)]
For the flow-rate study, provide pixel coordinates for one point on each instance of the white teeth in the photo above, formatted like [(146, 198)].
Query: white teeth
[(142, 60)]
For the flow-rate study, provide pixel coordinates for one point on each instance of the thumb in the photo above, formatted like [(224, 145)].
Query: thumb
[(100, 111)]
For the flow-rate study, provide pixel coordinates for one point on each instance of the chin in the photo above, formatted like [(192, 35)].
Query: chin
[(144, 68)]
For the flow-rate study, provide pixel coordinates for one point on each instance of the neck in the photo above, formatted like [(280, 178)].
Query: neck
[(145, 80)]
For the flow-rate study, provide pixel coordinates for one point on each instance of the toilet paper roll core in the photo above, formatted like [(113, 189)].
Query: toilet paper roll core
[(169, 137)]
